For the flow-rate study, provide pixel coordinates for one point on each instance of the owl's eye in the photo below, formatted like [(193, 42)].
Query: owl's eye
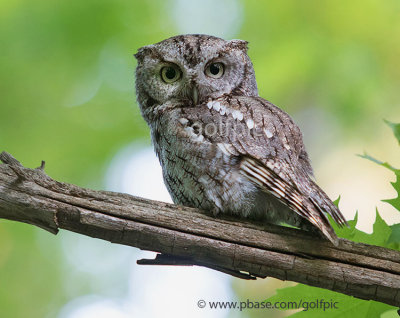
[(215, 70), (170, 74)]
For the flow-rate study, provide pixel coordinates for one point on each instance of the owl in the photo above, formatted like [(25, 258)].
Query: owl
[(223, 148)]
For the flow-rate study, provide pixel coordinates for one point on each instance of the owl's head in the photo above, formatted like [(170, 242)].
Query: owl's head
[(192, 69)]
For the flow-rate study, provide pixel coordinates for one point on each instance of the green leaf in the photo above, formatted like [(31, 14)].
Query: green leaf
[(380, 235), (395, 236), (395, 128), (336, 202), (394, 239), (345, 232), (395, 202), (340, 305), (381, 232), (396, 185)]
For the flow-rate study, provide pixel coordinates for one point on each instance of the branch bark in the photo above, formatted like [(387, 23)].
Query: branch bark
[(187, 236)]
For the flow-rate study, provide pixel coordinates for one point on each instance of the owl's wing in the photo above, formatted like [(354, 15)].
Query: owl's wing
[(270, 152), (289, 194)]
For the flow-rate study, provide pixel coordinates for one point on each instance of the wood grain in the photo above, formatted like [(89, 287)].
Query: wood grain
[(187, 236)]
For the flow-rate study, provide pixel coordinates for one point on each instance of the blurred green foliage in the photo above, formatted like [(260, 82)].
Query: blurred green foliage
[(338, 55), (67, 94), (67, 75)]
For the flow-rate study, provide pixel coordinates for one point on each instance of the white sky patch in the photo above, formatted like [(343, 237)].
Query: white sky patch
[(92, 306), (137, 171), (222, 18), (169, 291), (88, 255)]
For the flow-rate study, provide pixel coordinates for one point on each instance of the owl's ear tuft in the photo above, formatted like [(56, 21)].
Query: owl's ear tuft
[(144, 51), (238, 45)]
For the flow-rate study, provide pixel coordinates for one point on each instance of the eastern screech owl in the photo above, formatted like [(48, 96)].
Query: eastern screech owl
[(223, 148)]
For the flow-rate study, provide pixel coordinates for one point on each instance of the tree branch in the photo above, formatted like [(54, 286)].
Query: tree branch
[(186, 236)]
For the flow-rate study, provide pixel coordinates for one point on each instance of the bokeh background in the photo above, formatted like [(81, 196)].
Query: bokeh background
[(67, 96)]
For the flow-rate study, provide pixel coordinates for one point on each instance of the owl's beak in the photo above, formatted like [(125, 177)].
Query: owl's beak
[(195, 95)]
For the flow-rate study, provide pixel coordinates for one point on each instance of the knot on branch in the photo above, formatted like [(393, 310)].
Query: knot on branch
[(17, 167)]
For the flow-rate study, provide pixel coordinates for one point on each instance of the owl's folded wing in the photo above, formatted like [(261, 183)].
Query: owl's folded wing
[(288, 194), (270, 150)]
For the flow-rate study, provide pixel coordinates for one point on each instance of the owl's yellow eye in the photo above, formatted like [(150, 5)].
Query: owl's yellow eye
[(215, 70), (170, 74)]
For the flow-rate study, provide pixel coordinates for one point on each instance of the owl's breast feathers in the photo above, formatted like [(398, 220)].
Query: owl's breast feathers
[(268, 149)]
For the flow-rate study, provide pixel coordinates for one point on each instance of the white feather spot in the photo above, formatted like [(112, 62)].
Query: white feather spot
[(217, 106), (234, 114), (189, 130), (210, 104), (199, 138), (183, 121), (268, 133), (286, 146), (250, 123)]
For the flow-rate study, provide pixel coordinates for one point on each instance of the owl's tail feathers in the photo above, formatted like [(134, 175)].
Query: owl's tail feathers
[(325, 205), (325, 227), (321, 221), (314, 215)]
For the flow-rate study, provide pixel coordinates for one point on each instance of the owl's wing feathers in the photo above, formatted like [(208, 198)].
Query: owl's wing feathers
[(288, 194), (292, 164), (289, 169), (271, 152)]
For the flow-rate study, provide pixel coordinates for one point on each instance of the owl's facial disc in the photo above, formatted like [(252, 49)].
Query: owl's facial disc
[(192, 69)]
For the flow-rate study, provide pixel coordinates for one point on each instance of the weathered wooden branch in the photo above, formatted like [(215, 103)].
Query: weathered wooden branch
[(185, 236)]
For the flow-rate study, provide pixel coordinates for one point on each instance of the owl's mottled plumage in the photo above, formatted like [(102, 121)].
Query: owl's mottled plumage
[(221, 146)]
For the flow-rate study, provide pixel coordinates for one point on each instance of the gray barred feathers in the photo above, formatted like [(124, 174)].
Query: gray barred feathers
[(223, 148)]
